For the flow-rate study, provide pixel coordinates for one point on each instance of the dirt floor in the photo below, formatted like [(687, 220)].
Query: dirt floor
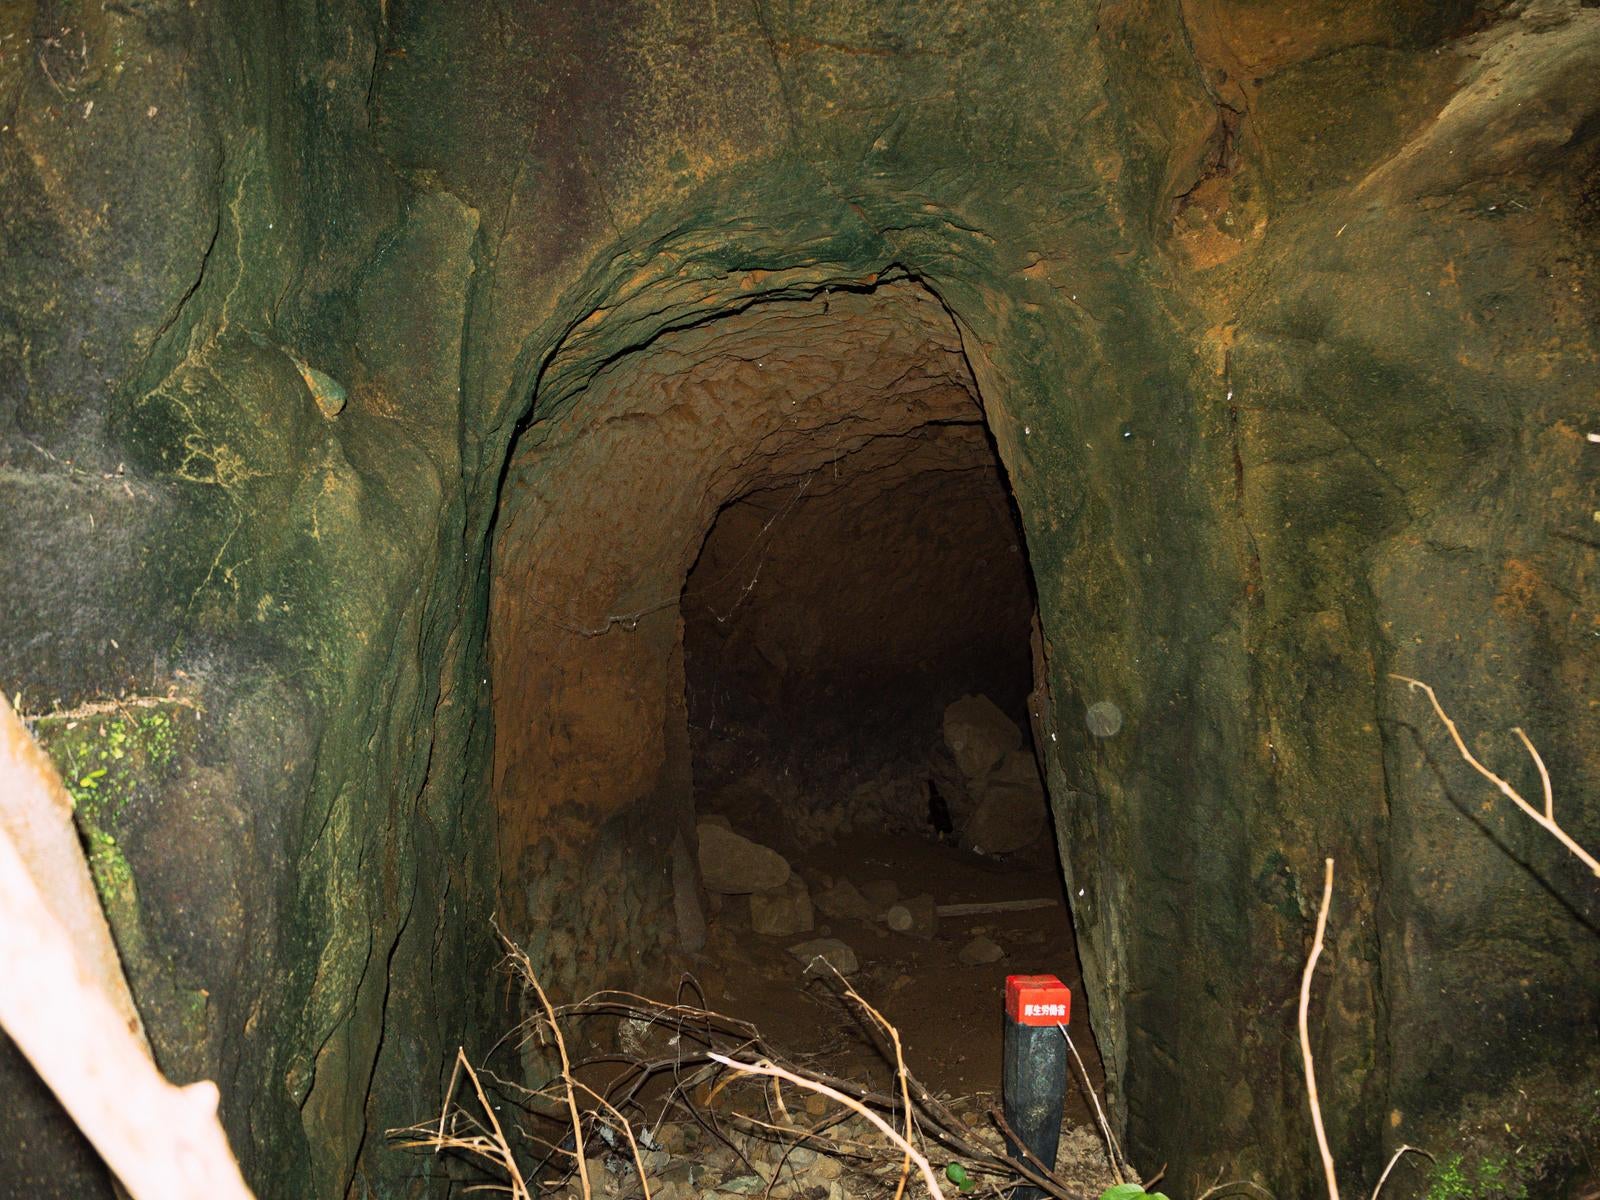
[(730, 1138), (949, 1014)]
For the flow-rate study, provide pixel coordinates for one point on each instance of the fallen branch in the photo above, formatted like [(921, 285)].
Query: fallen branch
[(492, 1147), (696, 1068), (1393, 1162), (1015, 1140), (900, 1072), (36, 814), (822, 1089), (624, 1127), (525, 969), (1113, 1151)]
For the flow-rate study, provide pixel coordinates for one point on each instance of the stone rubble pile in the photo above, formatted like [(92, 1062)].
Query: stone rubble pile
[(782, 904), (732, 865), (985, 774), (684, 1162)]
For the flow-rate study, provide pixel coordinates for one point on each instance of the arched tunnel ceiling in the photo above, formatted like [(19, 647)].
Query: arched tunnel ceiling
[(605, 511)]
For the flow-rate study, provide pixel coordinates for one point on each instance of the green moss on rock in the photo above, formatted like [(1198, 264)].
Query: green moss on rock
[(109, 754)]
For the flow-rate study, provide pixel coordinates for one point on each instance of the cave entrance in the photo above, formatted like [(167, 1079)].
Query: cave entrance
[(765, 573)]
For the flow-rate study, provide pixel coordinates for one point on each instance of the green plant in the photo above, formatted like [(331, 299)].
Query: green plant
[(1449, 1181), (106, 753), (1130, 1191), (957, 1174), (1487, 1179)]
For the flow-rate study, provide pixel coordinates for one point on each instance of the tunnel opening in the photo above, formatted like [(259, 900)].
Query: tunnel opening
[(763, 582), (858, 676), (831, 620)]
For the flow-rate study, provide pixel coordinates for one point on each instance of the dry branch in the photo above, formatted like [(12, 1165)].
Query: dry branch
[(1113, 1151), (985, 907), (1305, 1033), (900, 1072), (624, 1127), (1393, 1162), (822, 1089), (36, 814), (525, 969), (1546, 820), (710, 1054), (491, 1147)]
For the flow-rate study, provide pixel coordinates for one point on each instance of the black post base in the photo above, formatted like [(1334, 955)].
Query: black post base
[(1034, 1081)]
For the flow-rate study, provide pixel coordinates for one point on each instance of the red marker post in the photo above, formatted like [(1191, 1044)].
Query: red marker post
[(1034, 1074)]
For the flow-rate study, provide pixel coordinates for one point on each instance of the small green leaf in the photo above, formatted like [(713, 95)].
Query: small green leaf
[(1124, 1191), (957, 1174), (92, 779)]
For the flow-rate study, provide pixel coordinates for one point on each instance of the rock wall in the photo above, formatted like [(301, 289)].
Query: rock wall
[(1282, 317), (235, 493)]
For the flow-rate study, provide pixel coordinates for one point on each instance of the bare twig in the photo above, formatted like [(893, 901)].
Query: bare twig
[(987, 907), (502, 1147), (1113, 1151), (900, 1072), (525, 967), (624, 1127), (36, 814), (492, 1146), (801, 1136), (822, 1089), (1305, 1033), (702, 1043), (1393, 1162), (998, 1116), (1546, 820)]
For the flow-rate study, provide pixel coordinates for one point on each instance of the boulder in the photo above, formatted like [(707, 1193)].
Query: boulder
[(916, 916), (1010, 812), (1019, 767), (981, 951), (783, 912), (978, 734), (844, 901), (832, 949), (733, 865)]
